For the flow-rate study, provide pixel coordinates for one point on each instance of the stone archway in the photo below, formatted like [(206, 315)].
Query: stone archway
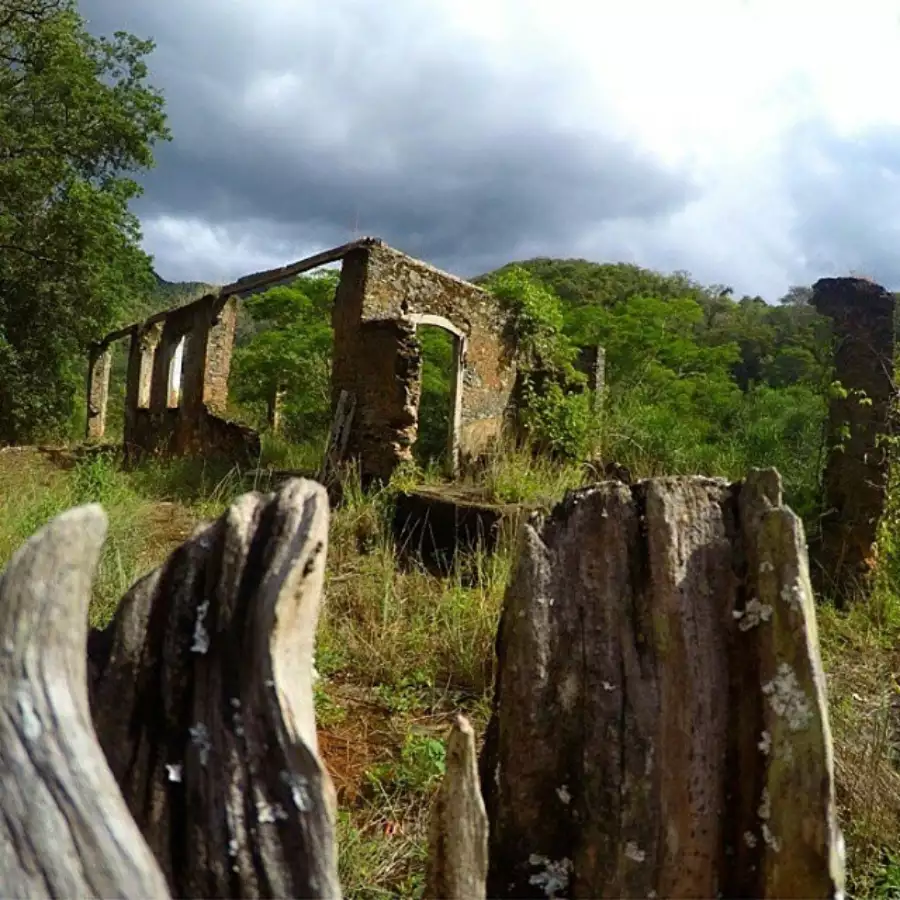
[(459, 355)]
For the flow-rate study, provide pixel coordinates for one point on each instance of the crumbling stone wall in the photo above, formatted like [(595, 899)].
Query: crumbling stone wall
[(219, 346), (158, 418), (382, 293), (382, 298), (99, 368), (856, 471)]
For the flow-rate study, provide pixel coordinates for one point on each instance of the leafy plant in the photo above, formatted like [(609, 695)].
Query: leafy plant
[(289, 350), (422, 762), (437, 348), (77, 121), (551, 413)]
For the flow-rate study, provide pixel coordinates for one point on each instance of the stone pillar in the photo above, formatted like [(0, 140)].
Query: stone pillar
[(856, 471), (193, 368), (140, 365), (219, 347), (385, 422), (592, 362), (99, 366), (169, 340), (275, 409), (141, 355), (600, 375)]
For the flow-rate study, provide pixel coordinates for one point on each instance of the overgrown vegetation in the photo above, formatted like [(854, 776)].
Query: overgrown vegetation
[(285, 345), (400, 650), (77, 121), (698, 381)]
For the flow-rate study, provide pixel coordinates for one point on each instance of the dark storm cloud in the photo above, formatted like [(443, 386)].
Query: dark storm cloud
[(317, 118)]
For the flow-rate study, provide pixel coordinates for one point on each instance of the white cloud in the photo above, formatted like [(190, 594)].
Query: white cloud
[(194, 250), (721, 90)]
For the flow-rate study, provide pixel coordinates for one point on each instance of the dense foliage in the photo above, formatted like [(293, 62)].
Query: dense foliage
[(285, 345), (77, 121), (553, 410), (697, 381), (435, 401)]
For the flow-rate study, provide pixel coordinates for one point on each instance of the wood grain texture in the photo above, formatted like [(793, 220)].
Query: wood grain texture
[(655, 642), (65, 830), (204, 706), (458, 838)]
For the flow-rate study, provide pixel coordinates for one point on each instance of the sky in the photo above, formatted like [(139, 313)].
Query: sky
[(754, 144)]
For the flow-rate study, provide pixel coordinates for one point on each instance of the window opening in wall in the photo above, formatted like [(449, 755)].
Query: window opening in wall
[(436, 435), (280, 381), (176, 368), (118, 383)]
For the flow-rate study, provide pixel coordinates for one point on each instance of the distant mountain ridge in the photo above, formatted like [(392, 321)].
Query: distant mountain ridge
[(178, 290)]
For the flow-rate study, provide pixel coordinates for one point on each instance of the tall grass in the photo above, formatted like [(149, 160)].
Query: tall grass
[(149, 510), (399, 649)]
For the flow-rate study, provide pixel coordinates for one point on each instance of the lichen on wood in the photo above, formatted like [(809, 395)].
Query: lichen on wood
[(659, 723), (65, 830), (202, 696)]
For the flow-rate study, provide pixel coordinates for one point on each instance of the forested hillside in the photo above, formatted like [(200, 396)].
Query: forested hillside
[(167, 294), (698, 380)]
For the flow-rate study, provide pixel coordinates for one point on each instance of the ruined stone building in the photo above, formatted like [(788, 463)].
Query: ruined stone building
[(179, 360)]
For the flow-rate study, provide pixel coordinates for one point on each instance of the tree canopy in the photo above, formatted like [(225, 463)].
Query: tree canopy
[(287, 344), (78, 121), (697, 380)]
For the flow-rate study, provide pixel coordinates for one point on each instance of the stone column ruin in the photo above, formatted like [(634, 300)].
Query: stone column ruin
[(856, 471), (99, 367)]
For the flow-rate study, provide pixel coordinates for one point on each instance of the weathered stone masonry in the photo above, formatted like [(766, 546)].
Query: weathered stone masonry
[(855, 479), (382, 298), (167, 411)]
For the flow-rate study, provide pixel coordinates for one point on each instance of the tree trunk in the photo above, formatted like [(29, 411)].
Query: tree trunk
[(659, 724), (204, 706), (65, 830)]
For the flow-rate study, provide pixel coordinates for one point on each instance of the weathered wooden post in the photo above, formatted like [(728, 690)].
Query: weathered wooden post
[(659, 725), (203, 703), (859, 417), (458, 838), (65, 830)]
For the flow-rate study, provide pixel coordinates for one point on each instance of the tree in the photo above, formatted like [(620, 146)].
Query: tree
[(290, 347), (77, 121)]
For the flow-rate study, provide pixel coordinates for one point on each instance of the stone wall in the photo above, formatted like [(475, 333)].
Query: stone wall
[(218, 357), (99, 368), (381, 296), (856, 471), (160, 419)]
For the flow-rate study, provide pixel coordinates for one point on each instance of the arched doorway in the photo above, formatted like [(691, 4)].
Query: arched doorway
[(439, 409)]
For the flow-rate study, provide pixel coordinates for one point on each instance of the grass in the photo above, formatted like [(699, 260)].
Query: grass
[(400, 651)]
